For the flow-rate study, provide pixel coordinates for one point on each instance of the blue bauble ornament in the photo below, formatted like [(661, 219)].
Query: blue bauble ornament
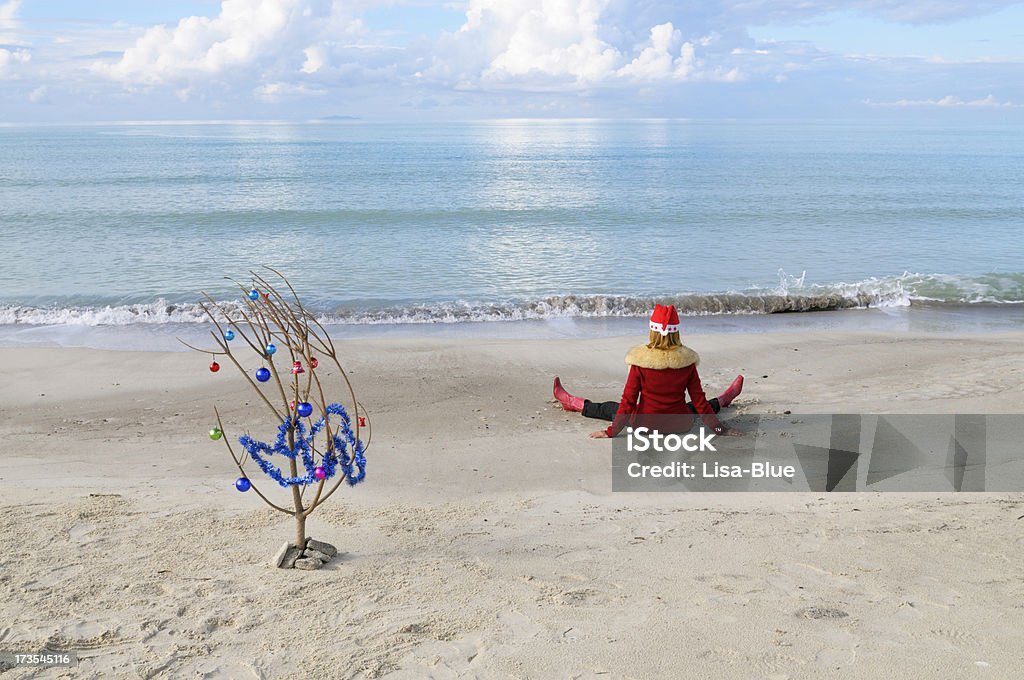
[(304, 409), (271, 348), (242, 484), (229, 335), (254, 294), (263, 374)]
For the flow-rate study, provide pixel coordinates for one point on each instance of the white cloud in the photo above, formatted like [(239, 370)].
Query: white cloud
[(552, 38), (275, 92), (558, 43), (7, 12), (11, 59), (902, 11), (9, 25), (949, 101), (660, 59), (538, 45), (656, 60), (38, 95), (976, 60), (315, 59), (273, 34)]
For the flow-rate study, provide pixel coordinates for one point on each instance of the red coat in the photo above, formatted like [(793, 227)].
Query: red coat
[(657, 384)]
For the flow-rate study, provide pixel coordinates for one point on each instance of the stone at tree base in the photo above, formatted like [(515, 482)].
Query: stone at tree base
[(279, 555), (289, 559), (320, 546), (286, 556), (308, 552), (308, 563)]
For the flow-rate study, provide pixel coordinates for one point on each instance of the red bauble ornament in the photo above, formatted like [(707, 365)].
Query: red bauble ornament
[(291, 404), (313, 363), (214, 367)]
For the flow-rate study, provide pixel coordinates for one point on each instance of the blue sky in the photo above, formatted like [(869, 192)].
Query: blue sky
[(418, 60)]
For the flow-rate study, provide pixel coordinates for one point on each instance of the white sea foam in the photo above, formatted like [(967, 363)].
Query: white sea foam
[(791, 295), (159, 312)]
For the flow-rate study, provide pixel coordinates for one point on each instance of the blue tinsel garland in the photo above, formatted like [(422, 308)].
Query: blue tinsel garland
[(353, 471)]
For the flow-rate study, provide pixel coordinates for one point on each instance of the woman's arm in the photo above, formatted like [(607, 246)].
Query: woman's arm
[(700, 403), (627, 405)]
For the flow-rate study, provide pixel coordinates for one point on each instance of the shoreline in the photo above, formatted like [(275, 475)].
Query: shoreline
[(939, 319)]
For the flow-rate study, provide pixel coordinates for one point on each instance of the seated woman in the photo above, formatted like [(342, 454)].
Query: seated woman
[(660, 374)]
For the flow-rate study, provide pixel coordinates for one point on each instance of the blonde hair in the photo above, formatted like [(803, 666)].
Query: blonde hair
[(659, 341)]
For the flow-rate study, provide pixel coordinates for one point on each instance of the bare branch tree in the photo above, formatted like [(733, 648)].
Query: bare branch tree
[(315, 432)]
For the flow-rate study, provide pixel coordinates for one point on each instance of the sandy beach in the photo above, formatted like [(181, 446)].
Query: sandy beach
[(486, 541)]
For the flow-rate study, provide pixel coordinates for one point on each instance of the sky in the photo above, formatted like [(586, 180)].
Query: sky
[(117, 60)]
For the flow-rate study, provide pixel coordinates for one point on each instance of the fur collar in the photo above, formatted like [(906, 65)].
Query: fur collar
[(677, 357)]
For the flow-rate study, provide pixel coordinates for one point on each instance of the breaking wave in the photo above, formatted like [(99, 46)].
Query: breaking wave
[(791, 295)]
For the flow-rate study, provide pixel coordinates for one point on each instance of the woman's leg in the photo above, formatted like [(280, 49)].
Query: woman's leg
[(725, 398), (602, 410), (569, 402), (715, 405), (731, 392)]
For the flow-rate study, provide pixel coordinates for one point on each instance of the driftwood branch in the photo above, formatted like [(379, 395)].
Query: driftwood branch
[(278, 316)]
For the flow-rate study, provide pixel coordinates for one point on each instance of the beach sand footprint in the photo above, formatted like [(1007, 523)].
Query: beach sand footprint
[(53, 577), (517, 628), (89, 638), (828, 624), (733, 584), (815, 613), (80, 533)]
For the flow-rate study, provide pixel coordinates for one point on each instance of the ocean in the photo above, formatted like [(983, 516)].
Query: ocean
[(517, 220)]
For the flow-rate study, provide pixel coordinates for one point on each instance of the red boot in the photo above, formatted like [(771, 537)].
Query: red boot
[(568, 402), (725, 398)]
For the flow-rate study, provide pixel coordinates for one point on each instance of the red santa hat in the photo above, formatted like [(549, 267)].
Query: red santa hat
[(664, 319)]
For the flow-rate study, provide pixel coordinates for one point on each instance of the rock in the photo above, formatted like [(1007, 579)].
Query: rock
[(316, 554), (308, 563), (286, 556), (320, 546), (279, 555), (289, 559)]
